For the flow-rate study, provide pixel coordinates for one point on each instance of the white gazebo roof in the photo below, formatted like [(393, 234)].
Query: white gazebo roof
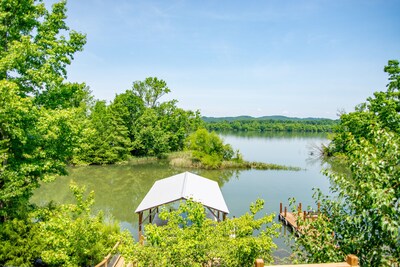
[(184, 186)]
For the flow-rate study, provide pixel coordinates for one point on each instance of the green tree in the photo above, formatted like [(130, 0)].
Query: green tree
[(36, 137), (59, 235), (195, 240), (150, 90), (150, 138), (39, 126), (34, 51), (208, 148), (129, 107), (156, 128), (35, 144), (382, 109), (106, 138), (364, 217)]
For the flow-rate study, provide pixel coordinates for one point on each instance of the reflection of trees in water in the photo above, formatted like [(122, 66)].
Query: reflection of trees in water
[(273, 135), (316, 152), (119, 189), (220, 176)]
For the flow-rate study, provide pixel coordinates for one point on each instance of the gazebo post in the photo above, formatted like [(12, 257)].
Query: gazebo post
[(224, 216), (150, 220), (140, 225)]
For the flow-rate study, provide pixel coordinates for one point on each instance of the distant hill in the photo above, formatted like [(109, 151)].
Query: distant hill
[(274, 117), (269, 124)]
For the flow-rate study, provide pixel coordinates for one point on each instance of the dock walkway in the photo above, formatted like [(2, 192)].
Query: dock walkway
[(290, 218)]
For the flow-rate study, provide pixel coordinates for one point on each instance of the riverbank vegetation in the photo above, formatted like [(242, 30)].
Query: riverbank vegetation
[(364, 217), (205, 150), (136, 124), (195, 240), (58, 235), (269, 124)]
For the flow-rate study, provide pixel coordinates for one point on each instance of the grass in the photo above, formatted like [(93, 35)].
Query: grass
[(184, 159)]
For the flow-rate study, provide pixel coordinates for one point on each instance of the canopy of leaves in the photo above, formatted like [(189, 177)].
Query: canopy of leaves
[(383, 110), (129, 126), (249, 124), (36, 135), (195, 240), (209, 148), (364, 217), (65, 235)]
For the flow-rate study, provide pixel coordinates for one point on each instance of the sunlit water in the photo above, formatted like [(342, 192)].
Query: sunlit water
[(120, 188)]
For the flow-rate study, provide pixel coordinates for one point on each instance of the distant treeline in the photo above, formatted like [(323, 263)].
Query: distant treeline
[(269, 124)]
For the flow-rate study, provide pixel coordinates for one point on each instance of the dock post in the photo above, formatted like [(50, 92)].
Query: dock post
[(352, 260), (304, 214), (259, 263), (285, 215), (280, 208)]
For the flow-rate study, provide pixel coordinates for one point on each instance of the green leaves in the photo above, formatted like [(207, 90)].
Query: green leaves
[(208, 148), (364, 215), (129, 125), (150, 90), (191, 239), (64, 235)]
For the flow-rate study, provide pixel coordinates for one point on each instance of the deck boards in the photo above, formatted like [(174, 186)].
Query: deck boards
[(290, 218)]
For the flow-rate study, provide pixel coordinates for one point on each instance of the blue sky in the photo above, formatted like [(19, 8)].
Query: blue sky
[(226, 58)]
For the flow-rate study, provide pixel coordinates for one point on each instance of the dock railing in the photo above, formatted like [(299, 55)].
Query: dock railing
[(109, 257), (351, 261)]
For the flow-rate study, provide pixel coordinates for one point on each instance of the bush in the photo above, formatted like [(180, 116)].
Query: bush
[(208, 148), (194, 240)]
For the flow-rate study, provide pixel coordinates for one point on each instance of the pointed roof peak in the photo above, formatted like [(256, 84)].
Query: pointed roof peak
[(184, 186)]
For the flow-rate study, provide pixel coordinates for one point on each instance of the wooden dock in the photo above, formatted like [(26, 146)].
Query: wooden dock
[(290, 218), (351, 261)]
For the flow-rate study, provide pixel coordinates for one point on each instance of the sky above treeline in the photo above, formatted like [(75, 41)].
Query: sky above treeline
[(299, 58)]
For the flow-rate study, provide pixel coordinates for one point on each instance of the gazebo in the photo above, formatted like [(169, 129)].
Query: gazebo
[(180, 187)]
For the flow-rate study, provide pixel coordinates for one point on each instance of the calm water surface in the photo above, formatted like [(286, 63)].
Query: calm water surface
[(120, 188)]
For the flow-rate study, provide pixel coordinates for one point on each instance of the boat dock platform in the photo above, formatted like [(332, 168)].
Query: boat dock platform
[(290, 218)]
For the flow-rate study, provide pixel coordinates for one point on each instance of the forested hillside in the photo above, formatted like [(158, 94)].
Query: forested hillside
[(269, 124)]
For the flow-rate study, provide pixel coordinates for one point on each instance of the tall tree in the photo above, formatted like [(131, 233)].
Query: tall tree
[(364, 216), (150, 90), (36, 137), (129, 107), (382, 109)]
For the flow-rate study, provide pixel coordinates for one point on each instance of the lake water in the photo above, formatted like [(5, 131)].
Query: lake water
[(120, 188)]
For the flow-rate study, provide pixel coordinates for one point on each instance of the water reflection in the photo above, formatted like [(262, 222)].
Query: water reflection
[(120, 188)]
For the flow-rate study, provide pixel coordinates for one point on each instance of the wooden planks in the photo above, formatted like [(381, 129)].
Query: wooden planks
[(290, 218), (351, 261)]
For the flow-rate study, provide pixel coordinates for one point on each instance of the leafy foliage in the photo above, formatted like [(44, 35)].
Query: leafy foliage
[(150, 90), (265, 124), (132, 126), (105, 139), (209, 149), (65, 235), (364, 216), (383, 110), (36, 136), (195, 240)]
